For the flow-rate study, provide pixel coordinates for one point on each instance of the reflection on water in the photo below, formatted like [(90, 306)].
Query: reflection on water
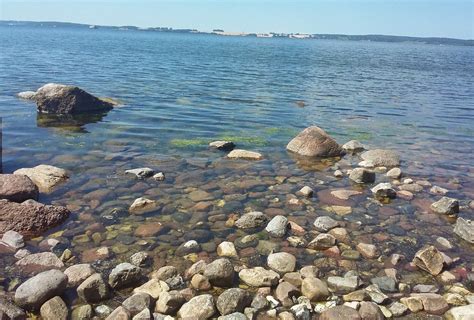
[(68, 122)]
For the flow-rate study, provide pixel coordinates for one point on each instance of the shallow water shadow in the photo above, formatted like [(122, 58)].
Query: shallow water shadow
[(68, 122), (312, 163)]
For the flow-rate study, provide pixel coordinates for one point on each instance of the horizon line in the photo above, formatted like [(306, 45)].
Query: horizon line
[(246, 33)]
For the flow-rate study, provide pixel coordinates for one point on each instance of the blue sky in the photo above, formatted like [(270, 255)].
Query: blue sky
[(441, 18)]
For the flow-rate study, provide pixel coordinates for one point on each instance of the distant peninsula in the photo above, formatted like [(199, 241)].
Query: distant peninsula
[(221, 32)]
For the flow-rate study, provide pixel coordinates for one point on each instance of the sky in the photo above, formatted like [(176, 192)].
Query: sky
[(425, 18)]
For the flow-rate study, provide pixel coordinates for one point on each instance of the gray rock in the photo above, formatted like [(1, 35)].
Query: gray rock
[(160, 176), (140, 259), (353, 146), (306, 192), (233, 316), (142, 205), (370, 311), (394, 173), (343, 284), (384, 190), (93, 289), (322, 241), (77, 273), (314, 289), (461, 313), (259, 302), (314, 142), (446, 205), (137, 302), (259, 277), (62, 99), (120, 313), (362, 175), (377, 296), (251, 220), (301, 311), (17, 188), (40, 262), (145, 314), (27, 95), (281, 262), (199, 308), (244, 155), (220, 272), (382, 158), (83, 312), (385, 283), (325, 223), (45, 177), (278, 226), (141, 172), (37, 290), (340, 313), (398, 309), (233, 300), (54, 309), (13, 239), (286, 293), (429, 259), (169, 302), (191, 246), (124, 275), (103, 310), (165, 273), (465, 229), (222, 145), (11, 311)]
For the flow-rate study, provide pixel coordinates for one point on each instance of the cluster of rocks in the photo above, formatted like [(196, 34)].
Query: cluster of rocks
[(19, 192)]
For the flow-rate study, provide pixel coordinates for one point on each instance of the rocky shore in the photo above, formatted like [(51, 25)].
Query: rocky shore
[(325, 260)]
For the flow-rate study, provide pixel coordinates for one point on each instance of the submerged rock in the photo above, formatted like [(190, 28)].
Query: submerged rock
[(362, 175), (222, 145), (17, 188), (244, 154), (13, 239), (30, 218), (446, 206), (384, 190), (465, 229), (37, 262), (251, 220), (314, 142), (46, 177), (55, 98), (381, 158), (37, 290)]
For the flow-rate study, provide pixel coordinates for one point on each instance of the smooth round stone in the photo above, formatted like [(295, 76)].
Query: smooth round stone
[(281, 262)]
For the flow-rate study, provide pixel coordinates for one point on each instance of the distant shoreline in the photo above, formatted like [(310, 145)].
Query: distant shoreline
[(219, 32)]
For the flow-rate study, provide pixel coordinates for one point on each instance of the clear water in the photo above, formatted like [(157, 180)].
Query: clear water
[(180, 92)]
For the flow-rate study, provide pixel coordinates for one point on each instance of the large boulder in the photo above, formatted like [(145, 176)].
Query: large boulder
[(314, 142), (30, 218), (37, 290), (17, 188), (46, 177), (63, 99)]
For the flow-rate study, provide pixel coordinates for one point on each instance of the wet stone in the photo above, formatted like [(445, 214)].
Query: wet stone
[(93, 289), (429, 259), (251, 220), (370, 311), (282, 262), (233, 300), (386, 284), (137, 302), (76, 274), (169, 302), (343, 284), (220, 272), (199, 307), (362, 175), (325, 223), (124, 275), (120, 313), (445, 205), (322, 241), (384, 190), (141, 172), (54, 309), (278, 226), (259, 277), (314, 289), (465, 229)]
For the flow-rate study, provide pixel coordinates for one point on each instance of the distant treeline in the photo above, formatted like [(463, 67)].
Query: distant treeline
[(370, 37)]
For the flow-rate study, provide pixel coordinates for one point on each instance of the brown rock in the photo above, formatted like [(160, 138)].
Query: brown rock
[(314, 142), (429, 259), (149, 229), (30, 218), (432, 303), (340, 313), (17, 188)]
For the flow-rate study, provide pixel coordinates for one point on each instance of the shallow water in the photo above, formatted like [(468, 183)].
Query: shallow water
[(179, 92)]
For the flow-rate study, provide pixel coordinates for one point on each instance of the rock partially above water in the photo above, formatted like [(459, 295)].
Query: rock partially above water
[(13, 239), (244, 154), (446, 206), (314, 142), (55, 98), (384, 190), (251, 220), (142, 206), (46, 177), (222, 145), (430, 260), (124, 275), (381, 158), (278, 226), (27, 95), (362, 175), (465, 229), (93, 289), (141, 172), (30, 218), (353, 146), (17, 188), (35, 291)]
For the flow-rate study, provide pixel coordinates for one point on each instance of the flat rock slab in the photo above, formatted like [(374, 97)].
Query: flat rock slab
[(46, 177), (30, 218), (17, 188), (245, 155), (39, 262)]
